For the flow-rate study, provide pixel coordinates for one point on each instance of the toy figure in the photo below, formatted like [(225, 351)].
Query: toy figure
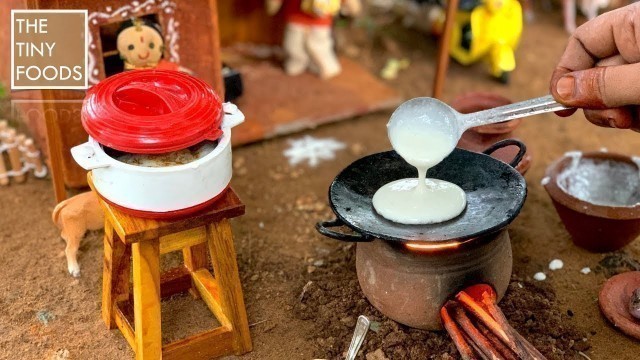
[(589, 8), (74, 217), (141, 46), (308, 40), (490, 30)]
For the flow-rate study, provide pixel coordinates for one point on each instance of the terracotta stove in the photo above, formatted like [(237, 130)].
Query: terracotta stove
[(410, 282)]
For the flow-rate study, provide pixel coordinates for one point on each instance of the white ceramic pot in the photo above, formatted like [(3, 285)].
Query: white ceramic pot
[(162, 189)]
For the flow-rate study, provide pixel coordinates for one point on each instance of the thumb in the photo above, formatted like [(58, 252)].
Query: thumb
[(599, 87)]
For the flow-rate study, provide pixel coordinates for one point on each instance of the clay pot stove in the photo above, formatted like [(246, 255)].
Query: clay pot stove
[(408, 272)]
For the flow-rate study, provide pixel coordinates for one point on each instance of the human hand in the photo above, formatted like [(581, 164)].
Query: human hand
[(600, 70)]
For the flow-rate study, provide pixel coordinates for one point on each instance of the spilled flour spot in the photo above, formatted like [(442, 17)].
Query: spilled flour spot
[(312, 150), (44, 317), (585, 270), (540, 276), (556, 264)]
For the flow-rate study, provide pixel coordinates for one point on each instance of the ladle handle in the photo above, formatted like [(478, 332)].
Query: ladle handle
[(513, 111)]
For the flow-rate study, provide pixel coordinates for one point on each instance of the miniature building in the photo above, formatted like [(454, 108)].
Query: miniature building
[(190, 30)]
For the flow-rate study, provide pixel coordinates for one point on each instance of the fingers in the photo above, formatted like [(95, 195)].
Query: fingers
[(615, 32), (620, 118), (599, 87)]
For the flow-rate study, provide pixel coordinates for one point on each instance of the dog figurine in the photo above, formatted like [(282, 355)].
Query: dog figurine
[(74, 217)]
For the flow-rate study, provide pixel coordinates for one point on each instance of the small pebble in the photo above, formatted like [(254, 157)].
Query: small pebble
[(556, 264), (261, 225), (634, 304), (585, 270), (540, 276)]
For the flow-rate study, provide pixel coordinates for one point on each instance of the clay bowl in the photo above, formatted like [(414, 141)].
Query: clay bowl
[(597, 228), (479, 138)]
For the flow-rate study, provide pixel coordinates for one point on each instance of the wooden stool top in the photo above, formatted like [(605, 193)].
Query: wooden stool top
[(131, 229)]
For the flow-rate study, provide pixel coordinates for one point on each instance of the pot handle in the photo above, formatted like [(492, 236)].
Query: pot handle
[(232, 115), (323, 228), (522, 150), (87, 157)]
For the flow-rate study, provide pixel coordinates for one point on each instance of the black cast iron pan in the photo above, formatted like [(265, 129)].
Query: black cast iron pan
[(495, 194)]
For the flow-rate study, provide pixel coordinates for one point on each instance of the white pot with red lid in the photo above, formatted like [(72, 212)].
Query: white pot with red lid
[(153, 112)]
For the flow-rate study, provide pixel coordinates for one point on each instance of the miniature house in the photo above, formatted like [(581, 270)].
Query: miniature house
[(190, 30)]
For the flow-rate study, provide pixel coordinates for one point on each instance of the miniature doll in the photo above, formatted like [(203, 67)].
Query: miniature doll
[(308, 41), (141, 46)]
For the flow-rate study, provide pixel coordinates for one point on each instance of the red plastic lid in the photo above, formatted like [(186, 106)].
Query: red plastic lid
[(152, 112)]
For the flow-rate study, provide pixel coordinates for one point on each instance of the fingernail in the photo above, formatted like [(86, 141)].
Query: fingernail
[(565, 87)]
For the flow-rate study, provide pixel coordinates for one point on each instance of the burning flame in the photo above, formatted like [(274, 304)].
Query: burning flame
[(430, 247)]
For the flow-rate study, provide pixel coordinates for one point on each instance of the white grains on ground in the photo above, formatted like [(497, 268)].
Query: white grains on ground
[(556, 264), (540, 276), (585, 270), (545, 180)]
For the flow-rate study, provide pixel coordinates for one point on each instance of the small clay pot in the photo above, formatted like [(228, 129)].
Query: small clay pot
[(597, 228), (479, 138), (614, 302), (410, 286)]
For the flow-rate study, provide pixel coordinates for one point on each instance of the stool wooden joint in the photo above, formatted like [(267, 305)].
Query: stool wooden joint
[(132, 249)]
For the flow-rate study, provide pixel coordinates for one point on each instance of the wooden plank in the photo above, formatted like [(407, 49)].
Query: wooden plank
[(115, 274), (174, 281), (216, 58), (203, 346), (210, 293), (225, 267), (146, 300), (178, 241), (124, 322), (195, 258), (54, 144)]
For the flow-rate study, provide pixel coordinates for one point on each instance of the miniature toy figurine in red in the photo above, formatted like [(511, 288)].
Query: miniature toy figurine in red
[(308, 40)]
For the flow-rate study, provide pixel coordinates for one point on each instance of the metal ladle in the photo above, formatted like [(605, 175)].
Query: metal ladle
[(426, 115)]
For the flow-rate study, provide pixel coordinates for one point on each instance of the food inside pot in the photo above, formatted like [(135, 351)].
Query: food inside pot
[(173, 158), (601, 181)]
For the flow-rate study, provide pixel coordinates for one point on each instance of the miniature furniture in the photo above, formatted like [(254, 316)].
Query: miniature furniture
[(136, 310)]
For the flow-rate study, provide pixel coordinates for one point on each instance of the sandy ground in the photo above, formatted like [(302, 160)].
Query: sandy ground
[(46, 314)]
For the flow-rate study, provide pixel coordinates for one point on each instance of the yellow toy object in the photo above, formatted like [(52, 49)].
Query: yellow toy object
[(321, 8), (488, 31)]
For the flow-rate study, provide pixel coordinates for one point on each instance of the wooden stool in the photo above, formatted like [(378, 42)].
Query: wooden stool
[(145, 240)]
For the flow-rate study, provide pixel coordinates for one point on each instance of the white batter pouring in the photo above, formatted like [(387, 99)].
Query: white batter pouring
[(421, 200)]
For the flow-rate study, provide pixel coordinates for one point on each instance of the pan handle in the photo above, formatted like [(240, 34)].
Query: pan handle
[(323, 228), (509, 142)]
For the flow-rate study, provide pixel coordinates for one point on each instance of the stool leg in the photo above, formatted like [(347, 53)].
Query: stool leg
[(146, 299), (225, 267), (195, 258), (115, 274)]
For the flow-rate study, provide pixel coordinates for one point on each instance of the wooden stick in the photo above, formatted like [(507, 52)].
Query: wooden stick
[(443, 49), (502, 331), (529, 350), (475, 347), (502, 349), (14, 156), (456, 335), (474, 334)]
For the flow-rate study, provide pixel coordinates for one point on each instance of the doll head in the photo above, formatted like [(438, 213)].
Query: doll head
[(140, 43)]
